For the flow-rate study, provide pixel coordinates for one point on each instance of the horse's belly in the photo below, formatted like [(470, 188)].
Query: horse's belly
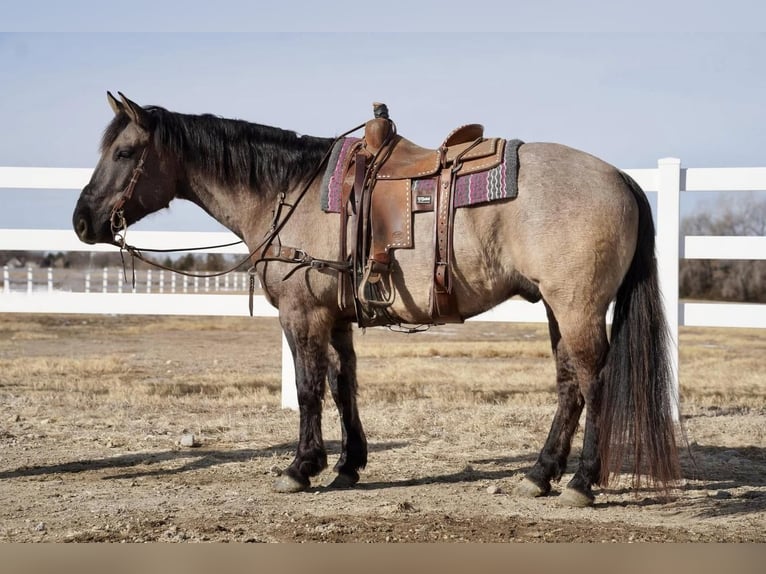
[(480, 272)]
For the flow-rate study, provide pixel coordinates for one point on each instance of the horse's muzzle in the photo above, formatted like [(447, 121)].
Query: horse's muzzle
[(81, 223), (81, 229), (85, 228)]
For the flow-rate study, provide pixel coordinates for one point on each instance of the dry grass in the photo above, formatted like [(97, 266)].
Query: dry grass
[(723, 367), (138, 380), (236, 362), (89, 375), (469, 364)]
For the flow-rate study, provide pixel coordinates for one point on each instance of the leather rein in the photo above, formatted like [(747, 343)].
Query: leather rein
[(269, 250)]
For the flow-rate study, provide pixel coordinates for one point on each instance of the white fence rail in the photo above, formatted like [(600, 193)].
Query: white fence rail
[(668, 180)]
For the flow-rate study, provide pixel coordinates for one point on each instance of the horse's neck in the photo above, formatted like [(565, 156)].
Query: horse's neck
[(244, 211), (227, 206)]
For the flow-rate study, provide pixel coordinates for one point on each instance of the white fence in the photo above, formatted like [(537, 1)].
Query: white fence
[(668, 180)]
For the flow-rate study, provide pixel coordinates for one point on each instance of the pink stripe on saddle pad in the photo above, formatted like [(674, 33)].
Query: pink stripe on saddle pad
[(333, 176)]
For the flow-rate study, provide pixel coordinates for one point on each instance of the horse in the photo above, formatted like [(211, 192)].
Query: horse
[(578, 236)]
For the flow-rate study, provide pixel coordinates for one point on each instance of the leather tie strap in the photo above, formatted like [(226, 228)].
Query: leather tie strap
[(443, 299)]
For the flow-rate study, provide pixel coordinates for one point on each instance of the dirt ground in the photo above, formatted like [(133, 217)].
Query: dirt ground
[(93, 410)]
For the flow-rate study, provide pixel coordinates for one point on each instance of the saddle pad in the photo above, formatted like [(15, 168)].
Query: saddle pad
[(332, 180), (498, 183)]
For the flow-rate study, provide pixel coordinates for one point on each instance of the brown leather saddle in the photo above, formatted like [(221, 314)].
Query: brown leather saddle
[(378, 205)]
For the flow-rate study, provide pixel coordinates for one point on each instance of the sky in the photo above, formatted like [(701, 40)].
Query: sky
[(628, 94)]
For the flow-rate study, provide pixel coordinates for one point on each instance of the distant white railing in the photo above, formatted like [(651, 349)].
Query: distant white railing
[(668, 180)]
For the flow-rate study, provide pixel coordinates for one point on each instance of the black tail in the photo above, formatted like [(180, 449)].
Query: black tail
[(638, 404)]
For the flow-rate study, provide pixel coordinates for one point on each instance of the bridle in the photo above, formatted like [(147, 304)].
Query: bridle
[(117, 216)]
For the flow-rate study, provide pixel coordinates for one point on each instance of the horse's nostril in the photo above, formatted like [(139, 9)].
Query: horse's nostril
[(81, 228)]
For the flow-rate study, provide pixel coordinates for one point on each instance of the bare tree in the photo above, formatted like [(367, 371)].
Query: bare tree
[(733, 280)]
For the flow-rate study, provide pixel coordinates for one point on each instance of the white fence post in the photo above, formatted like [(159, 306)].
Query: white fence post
[(30, 279), (6, 279), (105, 280), (50, 279), (289, 388), (668, 242)]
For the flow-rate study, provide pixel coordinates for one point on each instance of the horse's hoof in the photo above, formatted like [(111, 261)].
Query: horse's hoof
[(575, 498), (528, 489), (340, 481), (287, 483)]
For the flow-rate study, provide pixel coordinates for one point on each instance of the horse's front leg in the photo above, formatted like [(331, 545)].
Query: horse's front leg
[(307, 332), (342, 377)]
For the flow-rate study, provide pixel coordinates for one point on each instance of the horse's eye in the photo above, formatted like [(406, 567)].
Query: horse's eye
[(123, 153)]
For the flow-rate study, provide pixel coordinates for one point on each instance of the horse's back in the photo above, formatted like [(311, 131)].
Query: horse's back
[(567, 185)]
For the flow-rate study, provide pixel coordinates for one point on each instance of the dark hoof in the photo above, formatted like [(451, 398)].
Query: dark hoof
[(575, 498), (339, 481), (287, 483), (528, 489)]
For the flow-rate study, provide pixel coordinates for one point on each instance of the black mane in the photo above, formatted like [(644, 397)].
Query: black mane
[(234, 152)]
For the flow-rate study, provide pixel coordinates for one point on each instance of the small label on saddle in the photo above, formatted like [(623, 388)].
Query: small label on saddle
[(423, 200)]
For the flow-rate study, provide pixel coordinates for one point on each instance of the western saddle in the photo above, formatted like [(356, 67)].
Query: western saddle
[(378, 205)]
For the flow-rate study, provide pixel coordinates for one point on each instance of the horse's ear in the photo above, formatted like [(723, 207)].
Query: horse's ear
[(116, 106), (136, 113)]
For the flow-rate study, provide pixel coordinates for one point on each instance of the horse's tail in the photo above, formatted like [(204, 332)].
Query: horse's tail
[(638, 404)]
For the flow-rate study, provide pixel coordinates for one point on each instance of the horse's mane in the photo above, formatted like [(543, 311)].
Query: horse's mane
[(234, 152)]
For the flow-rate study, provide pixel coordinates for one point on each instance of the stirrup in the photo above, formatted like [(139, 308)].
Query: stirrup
[(379, 282)]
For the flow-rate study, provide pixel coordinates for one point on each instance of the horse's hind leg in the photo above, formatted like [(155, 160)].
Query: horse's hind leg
[(342, 377), (584, 335), (307, 332), (552, 461)]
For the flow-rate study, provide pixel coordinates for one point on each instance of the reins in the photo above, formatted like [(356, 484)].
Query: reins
[(269, 251)]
